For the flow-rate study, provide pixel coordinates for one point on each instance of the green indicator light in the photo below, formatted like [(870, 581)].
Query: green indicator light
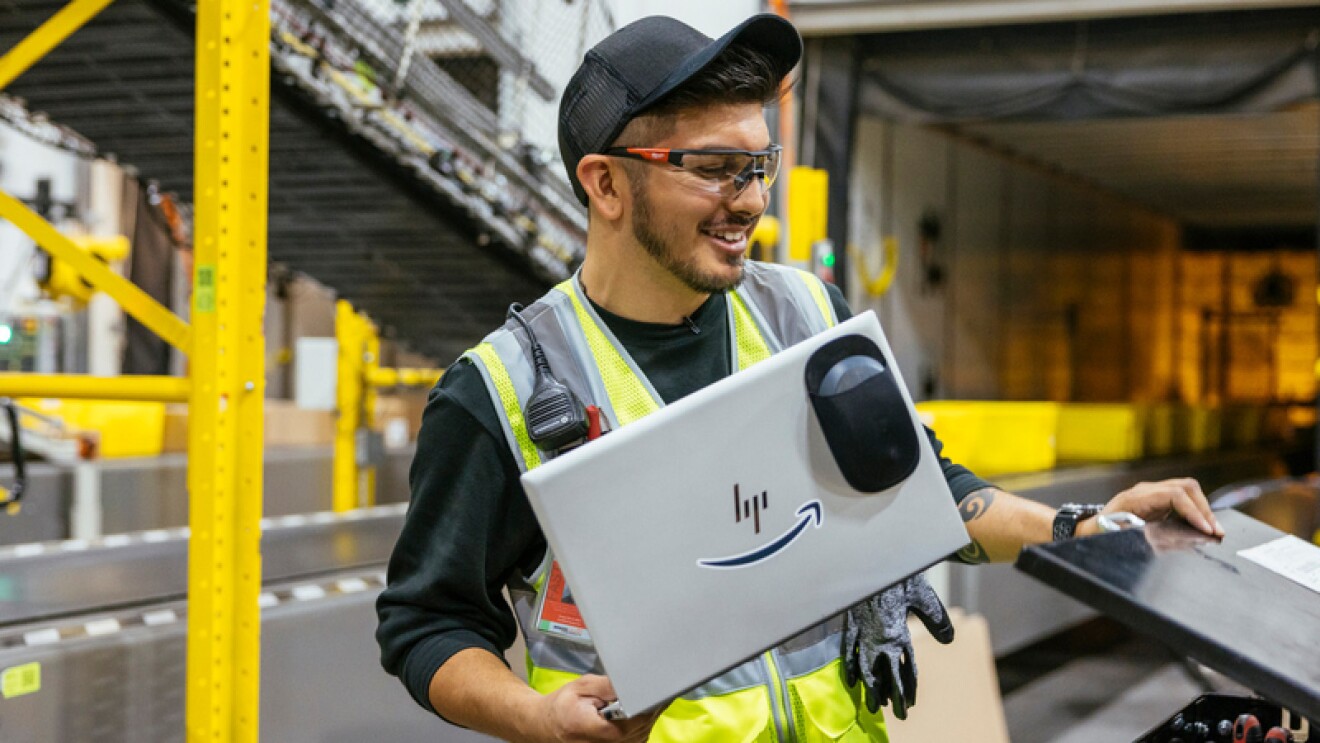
[(6, 334), (827, 260)]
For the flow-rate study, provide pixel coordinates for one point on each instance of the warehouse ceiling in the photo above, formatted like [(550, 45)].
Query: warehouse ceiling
[(435, 256), (1208, 117), (1227, 171)]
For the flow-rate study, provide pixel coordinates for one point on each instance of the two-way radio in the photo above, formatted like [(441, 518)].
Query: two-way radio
[(555, 416)]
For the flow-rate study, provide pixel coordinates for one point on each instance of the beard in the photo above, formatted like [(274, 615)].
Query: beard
[(663, 247)]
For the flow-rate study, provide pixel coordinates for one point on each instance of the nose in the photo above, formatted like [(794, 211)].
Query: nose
[(753, 197)]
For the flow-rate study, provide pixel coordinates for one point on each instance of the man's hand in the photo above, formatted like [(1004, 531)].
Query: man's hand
[(1153, 501), (572, 713), (877, 648)]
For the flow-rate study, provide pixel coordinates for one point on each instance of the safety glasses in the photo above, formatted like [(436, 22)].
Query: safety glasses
[(723, 172)]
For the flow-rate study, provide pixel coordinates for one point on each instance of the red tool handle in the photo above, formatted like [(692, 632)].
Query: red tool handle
[(1279, 735)]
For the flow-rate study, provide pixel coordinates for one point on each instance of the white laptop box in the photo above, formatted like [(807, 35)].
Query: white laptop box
[(719, 526)]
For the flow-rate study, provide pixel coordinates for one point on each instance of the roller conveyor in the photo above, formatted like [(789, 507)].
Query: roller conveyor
[(48, 581), (103, 625)]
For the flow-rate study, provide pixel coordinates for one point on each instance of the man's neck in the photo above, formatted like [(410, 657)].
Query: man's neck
[(636, 287)]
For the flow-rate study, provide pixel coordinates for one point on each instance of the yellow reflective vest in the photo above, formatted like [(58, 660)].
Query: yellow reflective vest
[(794, 692)]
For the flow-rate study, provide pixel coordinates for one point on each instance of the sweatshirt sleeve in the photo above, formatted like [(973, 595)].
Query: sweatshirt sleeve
[(468, 526), (962, 481)]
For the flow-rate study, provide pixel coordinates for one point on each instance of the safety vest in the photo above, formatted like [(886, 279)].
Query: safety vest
[(794, 692)]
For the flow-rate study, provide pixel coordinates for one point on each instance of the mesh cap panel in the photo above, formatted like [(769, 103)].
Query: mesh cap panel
[(642, 62), (595, 108)]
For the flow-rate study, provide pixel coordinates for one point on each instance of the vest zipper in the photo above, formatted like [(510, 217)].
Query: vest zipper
[(780, 708)]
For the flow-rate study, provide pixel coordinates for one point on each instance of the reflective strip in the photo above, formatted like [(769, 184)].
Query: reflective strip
[(745, 676), (778, 699), (794, 302), (560, 655), (811, 658), (750, 342), (818, 293), (515, 428), (629, 392)]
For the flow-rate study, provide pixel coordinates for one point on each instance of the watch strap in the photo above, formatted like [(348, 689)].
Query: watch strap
[(1069, 514)]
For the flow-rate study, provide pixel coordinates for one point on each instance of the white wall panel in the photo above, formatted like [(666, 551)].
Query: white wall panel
[(1053, 289), (975, 249)]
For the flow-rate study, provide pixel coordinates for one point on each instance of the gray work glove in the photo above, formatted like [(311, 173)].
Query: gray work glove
[(877, 648)]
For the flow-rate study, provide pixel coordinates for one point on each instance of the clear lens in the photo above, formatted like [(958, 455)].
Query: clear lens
[(727, 174)]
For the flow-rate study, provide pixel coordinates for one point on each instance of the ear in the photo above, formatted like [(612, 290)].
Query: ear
[(602, 179)]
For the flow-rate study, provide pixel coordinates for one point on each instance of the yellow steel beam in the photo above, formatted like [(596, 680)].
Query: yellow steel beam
[(404, 377), (350, 333), (367, 487), (228, 369), (82, 386), (47, 36), (137, 303)]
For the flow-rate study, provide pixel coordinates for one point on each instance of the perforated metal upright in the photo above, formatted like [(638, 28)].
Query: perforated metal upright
[(228, 368)]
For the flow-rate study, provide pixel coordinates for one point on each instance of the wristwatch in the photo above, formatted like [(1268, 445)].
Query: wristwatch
[(1065, 521)]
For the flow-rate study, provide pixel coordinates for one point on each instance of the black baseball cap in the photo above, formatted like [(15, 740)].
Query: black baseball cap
[(635, 67)]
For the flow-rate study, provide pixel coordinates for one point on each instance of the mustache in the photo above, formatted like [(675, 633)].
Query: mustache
[(732, 224)]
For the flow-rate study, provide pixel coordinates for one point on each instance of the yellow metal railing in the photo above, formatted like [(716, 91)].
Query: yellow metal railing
[(85, 387), (360, 376), (225, 343)]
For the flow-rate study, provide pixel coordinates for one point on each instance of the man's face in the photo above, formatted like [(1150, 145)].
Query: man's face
[(698, 237)]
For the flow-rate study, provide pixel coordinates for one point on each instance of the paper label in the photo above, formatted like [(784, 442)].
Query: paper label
[(558, 614), (1293, 558), (19, 680), (205, 288)]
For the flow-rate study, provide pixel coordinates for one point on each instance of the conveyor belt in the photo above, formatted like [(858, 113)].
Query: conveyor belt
[(436, 253), (47, 581)]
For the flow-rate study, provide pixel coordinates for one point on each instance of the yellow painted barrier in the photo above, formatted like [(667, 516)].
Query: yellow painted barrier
[(992, 438), (1160, 439), (1100, 432), (125, 429)]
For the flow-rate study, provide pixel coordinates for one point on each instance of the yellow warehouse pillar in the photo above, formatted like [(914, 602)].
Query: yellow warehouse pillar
[(350, 333), (228, 369)]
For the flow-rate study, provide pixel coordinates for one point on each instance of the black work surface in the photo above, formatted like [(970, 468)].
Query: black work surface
[(1196, 595)]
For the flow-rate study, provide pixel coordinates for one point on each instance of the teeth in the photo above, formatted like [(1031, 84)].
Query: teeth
[(729, 236)]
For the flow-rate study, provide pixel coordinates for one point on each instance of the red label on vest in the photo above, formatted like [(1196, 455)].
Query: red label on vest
[(559, 615)]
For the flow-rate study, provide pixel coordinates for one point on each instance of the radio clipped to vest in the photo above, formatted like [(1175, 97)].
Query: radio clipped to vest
[(556, 418)]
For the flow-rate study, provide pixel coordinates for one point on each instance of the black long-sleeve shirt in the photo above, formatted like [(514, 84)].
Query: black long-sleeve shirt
[(469, 525)]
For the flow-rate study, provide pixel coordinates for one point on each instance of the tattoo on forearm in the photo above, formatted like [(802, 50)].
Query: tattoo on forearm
[(975, 505), (973, 554), (972, 508)]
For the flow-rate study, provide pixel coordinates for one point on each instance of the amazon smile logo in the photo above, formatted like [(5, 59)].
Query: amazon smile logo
[(809, 514)]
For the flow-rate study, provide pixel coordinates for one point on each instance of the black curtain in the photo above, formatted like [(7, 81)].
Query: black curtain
[(151, 268), (1241, 61)]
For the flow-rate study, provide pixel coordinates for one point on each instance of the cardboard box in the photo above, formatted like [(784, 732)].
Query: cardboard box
[(286, 425), (398, 412), (957, 687), (176, 428), (289, 425)]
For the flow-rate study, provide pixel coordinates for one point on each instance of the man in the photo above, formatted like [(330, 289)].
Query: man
[(663, 137)]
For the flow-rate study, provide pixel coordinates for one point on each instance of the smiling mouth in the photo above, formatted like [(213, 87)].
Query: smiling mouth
[(728, 238)]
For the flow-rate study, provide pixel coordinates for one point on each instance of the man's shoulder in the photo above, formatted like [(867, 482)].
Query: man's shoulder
[(463, 387)]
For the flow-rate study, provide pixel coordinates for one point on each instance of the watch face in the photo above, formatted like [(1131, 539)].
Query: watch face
[(1065, 523)]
